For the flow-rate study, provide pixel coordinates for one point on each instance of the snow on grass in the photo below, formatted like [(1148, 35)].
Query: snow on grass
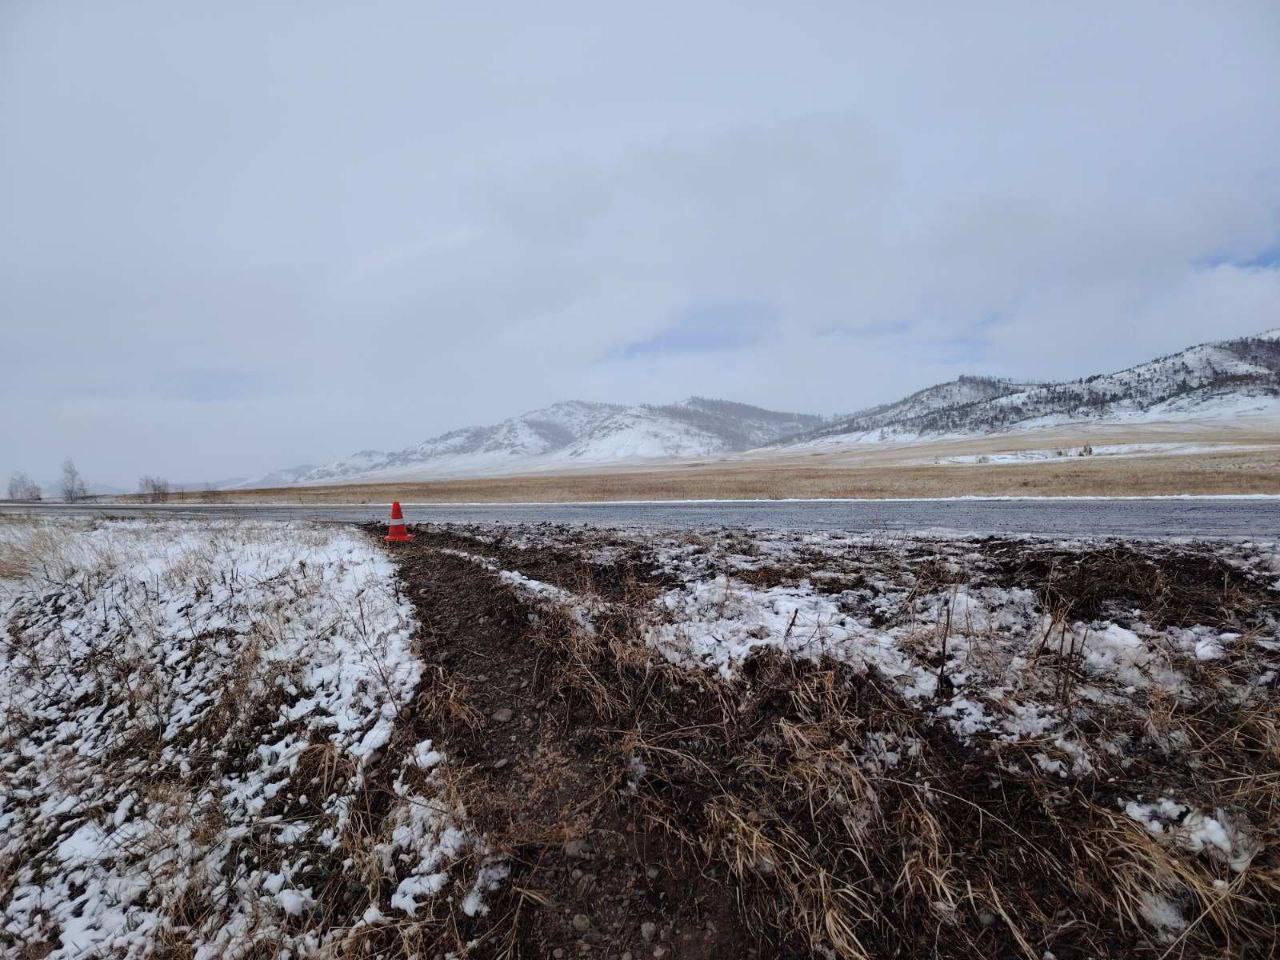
[(934, 619), (1220, 836), (1059, 454), (192, 717), (1098, 697), (986, 640), (1144, 680), (717, 623), (1070, 680)]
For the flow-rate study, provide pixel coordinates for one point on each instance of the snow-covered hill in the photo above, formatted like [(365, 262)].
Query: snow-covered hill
[(1214, 380), (1209, 381), (944, 396), (565, 435)]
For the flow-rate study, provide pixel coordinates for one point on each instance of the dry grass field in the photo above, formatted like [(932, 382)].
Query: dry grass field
[(1150, 460)]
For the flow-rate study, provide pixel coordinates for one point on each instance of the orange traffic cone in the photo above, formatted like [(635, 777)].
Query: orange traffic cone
[(396, 533)]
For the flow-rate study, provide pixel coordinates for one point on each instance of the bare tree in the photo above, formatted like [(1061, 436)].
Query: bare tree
[(22, 487), (73, 487), (155, 489)]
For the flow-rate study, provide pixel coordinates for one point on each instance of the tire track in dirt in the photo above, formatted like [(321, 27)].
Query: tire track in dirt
[(543, 771)]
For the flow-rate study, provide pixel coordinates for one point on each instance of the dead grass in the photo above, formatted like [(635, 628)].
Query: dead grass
[(765, 794), (824, 476), (24, 546), (1170, 589)]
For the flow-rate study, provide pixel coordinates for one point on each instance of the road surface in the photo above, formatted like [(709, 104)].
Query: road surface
[(1206, 517)]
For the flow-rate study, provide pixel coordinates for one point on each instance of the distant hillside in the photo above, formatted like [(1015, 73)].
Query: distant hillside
[(961, 392), (566, 435), (1205, 381), (1213, 380)]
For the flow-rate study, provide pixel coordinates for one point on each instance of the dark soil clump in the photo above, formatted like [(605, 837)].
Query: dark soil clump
[(1172, 588), (618, 578)]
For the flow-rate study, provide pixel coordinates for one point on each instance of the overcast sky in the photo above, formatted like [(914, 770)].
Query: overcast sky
[(237, 236)]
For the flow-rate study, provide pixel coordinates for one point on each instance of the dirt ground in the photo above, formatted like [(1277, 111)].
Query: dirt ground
[(543, 780)]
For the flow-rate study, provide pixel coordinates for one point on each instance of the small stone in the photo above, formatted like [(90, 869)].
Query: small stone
[(581, 922), (647, 930), (626, 955), (501, 763), (659, 952), (575, 873), (502, 715), (579, 849), (558, 952), (652, 873)]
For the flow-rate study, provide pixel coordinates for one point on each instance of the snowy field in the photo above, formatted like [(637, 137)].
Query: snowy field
[(1097, 450), (196, 717), (226, 738)]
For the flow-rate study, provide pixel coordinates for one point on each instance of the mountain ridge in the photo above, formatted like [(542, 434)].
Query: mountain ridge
[(1215, 379), (1209, 379), (567, 434)]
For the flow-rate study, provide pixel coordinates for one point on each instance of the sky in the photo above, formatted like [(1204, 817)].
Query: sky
[(239, 236)]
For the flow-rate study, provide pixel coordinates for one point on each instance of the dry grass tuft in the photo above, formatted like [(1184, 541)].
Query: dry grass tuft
[(26, 547)]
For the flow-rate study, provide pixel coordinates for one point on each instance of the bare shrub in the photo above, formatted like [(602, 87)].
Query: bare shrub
[(22, 487), (154, 489), (73, 486)]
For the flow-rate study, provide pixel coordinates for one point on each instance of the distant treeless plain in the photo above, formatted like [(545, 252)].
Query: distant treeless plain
[(1168, 459)]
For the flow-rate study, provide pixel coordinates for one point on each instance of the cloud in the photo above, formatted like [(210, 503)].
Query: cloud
[(275, 234), (706, 328)]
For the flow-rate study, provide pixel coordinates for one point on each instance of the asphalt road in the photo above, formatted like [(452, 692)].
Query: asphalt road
[(1070, 518)]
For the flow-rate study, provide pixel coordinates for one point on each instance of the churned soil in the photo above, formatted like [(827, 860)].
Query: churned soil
[(801, 807), (543, 773)]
